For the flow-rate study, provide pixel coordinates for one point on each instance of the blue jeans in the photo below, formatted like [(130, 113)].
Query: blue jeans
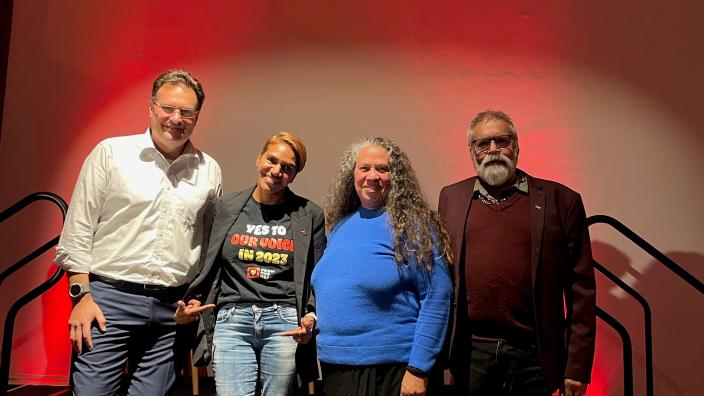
[(247, 345)]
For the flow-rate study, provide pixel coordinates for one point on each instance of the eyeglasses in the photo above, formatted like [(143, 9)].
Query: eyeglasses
[(187, 114), (483, 144)]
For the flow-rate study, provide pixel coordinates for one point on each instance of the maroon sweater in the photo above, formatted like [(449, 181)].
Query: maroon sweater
[(498, 270)]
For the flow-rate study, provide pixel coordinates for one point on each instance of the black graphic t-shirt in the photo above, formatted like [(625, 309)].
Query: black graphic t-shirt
[(258, 256)]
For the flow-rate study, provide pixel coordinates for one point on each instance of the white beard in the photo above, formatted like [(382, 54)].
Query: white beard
[(495, 173)]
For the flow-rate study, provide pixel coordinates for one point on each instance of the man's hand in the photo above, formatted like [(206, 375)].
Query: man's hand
[(413, 385), (83, 314), (303, 333), (190, 313), (574, 388)]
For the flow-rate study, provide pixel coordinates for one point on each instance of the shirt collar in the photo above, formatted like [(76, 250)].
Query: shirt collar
[(521, 185), (190, 151)]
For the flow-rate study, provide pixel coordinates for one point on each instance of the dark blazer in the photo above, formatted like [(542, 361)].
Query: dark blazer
[(308, 229), (561, 266)]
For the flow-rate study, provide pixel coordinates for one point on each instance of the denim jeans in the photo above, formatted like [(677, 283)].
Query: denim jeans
[(247, 345), (501, 368)]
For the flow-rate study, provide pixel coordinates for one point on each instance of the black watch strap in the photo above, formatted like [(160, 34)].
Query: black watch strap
[(416, 371)]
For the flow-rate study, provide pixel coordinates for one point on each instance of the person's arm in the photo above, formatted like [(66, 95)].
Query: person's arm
[(580, 298), (304, 332), (435, 289), (189, 313), (198, 290), (319, 243), (574, 388), (74, 251), (414, 383), (84, 312)]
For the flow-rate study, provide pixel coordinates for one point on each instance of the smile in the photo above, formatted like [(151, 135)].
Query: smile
[(272, 179), (174, 129)]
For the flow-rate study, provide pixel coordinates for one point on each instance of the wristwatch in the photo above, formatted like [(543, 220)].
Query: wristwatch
[(76, 290)]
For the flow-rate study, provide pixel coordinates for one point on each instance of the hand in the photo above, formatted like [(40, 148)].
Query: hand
[(83, 314), (413, 385), (574, 388), (303, 333), (190, 313)]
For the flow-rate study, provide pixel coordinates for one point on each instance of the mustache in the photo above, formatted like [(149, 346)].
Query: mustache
[(495, 169), (496, 157), (170, 124)]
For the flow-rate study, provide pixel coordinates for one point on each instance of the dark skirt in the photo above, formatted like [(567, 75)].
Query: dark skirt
[(374, 380)]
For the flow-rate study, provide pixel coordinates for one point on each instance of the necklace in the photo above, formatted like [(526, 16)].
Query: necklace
[(489, 200)]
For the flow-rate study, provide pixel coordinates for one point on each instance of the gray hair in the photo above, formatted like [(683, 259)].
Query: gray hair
[(489, 115), (416, 227)]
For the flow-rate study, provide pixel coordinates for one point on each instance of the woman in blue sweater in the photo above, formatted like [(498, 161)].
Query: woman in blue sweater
[(382, 286)]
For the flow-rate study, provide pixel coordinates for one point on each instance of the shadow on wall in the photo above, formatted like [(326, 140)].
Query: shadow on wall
[(677, 314)]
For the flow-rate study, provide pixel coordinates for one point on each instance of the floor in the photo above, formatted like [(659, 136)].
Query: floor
[(206, 387), (183, 388)]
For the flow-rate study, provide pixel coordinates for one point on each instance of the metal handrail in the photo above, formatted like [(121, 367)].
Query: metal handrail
[(662, 258), (627, 350), (648, 323), (643, 244), (32, 294)]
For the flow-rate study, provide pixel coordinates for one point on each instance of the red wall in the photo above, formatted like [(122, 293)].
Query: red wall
[(606, 98)]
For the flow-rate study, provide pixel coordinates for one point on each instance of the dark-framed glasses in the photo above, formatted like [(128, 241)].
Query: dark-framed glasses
[(187, 114), (483, 144)]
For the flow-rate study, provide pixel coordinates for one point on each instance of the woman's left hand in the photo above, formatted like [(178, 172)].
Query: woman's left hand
[(190, 313), (413, 385), (303, 333)]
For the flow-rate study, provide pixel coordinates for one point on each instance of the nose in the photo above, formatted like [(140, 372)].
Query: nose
[(276, 170), (176, 116), (373, 174), (493, 147)]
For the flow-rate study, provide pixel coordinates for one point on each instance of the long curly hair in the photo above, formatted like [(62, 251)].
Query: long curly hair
[(415, 226)]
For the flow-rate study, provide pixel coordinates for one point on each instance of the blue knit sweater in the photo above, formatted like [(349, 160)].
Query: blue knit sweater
[(371, 310)]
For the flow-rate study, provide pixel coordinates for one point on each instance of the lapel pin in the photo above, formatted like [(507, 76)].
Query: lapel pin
[(303, 232), (538, 207)]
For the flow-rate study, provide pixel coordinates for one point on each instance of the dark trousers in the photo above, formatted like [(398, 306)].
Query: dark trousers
[(498, 368), (140, 331), (374, 380)]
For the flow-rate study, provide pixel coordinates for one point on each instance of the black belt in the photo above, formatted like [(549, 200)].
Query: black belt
[(518, 342), (140, 288)]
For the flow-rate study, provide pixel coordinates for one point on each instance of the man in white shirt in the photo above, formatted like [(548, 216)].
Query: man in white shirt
[(131, 243)]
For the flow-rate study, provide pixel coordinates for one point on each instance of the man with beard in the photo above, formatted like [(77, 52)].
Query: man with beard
[(132, 241), (524, 310)]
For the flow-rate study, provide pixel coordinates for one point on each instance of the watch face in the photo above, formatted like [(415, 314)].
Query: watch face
[(75, 290)]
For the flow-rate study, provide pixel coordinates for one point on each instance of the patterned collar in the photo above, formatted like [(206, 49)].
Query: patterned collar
[(482, 193)]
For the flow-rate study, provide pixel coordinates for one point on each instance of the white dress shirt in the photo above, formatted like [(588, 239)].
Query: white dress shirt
[(136, 217)]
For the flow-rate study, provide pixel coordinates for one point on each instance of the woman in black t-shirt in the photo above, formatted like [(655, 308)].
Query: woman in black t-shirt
[(263, 245)]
